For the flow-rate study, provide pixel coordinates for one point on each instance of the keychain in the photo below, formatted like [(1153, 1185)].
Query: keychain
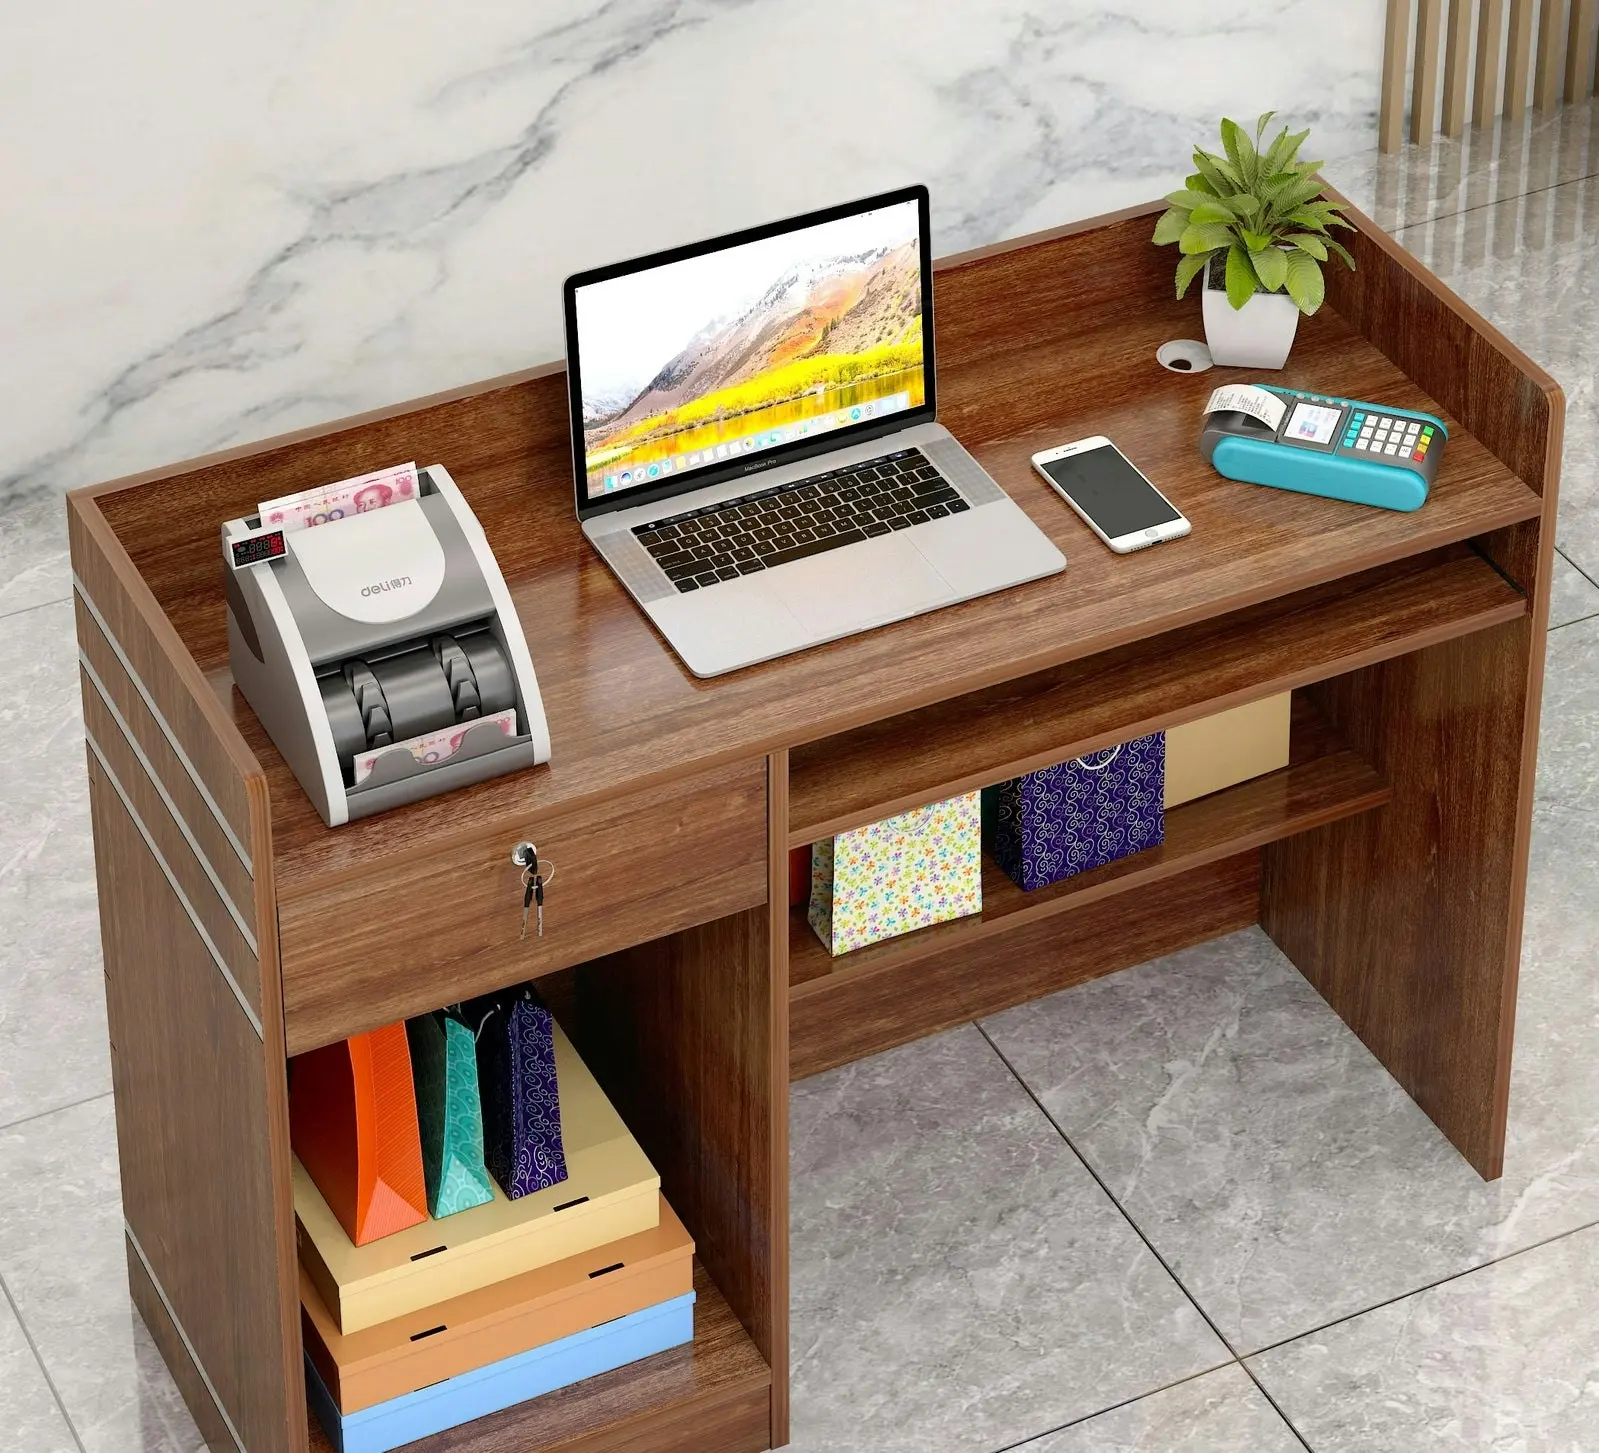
[(535, 875)]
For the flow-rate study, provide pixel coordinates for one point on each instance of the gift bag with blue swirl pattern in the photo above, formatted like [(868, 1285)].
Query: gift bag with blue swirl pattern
[(522, 1144), (1080, 814)]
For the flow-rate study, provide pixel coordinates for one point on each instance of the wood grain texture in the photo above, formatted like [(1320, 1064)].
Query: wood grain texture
[(710, 1397), (1547, 77), (1424, 91), (107, 738), (140, 726), (776, 1346), (623, 711), (1518, 412), (1478, 376), (107, 578), (193, 1134), (1403, 919), (680, 1033), (1457, 65), (1035, 721), (1395, 54), (1489, 62), (1518, 57), (361, 953), (1323, 782), (1580, 50), (867, 1012), (164, 1333)]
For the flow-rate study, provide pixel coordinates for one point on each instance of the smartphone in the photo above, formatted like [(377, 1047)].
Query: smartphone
[(1115, 501)]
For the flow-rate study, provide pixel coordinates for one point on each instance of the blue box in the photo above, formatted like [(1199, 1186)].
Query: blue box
[(503, 1384)]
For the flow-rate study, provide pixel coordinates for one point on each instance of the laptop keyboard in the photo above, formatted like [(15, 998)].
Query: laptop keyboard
[(704, 547)]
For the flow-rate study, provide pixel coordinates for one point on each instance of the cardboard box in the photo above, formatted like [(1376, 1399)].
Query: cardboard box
[(458, 1400), (1220, 751), (611, 1191), (361, 1369)]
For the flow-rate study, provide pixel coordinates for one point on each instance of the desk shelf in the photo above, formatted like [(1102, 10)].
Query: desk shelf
[(1324, 782), (714, 1388), (989, 736)]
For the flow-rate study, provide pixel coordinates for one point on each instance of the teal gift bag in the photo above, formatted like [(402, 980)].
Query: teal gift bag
[(449, 1113)]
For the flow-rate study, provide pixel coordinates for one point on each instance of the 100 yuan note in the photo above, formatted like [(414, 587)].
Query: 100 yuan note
[(330, 502), (433, 747)]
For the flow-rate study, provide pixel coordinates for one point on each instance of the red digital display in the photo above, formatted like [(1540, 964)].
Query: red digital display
[(253, 549)]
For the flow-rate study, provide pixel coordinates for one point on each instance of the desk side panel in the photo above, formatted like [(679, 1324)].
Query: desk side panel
[(1459, 727), (1400, 917), (689, 1036), (183, 857), (105, 581)]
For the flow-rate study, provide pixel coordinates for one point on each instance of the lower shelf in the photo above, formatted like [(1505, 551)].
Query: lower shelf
[(1324, 781), (713, 1395)]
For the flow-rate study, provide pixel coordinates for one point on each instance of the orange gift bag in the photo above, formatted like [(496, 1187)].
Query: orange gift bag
[(352, 1122)]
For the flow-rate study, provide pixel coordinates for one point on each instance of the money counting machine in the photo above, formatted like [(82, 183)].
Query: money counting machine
[(376, 630)]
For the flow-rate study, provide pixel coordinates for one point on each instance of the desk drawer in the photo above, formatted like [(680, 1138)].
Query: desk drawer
[(367, 951)]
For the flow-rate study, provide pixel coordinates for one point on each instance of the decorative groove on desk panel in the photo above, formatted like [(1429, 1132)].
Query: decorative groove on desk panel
[(172, 882), (155, 781), (188, 1346), (160, 720)]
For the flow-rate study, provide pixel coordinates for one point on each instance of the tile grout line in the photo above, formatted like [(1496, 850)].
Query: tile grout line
[(1242, 1359), (44, 1372), (1138, 1230), (37, 605), (55, 1110), (1496, 202), (1417, 1291), (1033, 1438), (1573, 564)]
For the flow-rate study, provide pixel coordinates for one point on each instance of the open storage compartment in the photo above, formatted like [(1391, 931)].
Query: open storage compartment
[(700, 1107)]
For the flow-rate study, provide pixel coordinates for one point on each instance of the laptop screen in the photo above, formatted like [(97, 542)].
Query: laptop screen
[(740, 353)]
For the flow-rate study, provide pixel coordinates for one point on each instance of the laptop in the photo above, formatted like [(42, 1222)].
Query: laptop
[(756, 444)]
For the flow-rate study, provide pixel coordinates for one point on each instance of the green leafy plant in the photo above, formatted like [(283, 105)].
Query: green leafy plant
[(1263, 209)]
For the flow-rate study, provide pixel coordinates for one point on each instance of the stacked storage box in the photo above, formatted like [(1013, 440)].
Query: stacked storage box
[(445, 1320)]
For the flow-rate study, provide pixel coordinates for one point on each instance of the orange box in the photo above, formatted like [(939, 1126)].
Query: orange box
[(498, 1321)]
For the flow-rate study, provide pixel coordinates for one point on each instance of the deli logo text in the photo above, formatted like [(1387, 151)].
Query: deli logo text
[(398, 583)]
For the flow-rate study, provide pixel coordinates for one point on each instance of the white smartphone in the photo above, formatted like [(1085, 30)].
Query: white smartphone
[(1114, 500)]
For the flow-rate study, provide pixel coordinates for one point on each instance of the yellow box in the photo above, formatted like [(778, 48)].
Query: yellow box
[(611, 1191), (486, 1326), (1222, 750)]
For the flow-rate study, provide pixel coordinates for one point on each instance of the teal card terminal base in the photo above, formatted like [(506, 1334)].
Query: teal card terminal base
[(1334, 447)]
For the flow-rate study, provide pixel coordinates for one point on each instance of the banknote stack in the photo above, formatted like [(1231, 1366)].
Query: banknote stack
[(433, 747), (329, 502)]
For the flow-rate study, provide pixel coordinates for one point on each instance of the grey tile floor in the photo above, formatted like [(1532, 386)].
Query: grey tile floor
[(1179, 1210)]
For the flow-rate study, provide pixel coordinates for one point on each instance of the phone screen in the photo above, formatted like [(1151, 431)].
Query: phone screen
[(1114, 495)]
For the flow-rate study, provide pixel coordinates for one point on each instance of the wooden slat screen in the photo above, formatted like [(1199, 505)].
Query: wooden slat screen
[(1489, 60)]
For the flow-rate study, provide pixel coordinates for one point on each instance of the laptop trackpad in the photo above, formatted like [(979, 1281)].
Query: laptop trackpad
[(855, 586)]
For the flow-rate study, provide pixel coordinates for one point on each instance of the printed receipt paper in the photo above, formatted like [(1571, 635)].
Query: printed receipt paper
[(1248, 398)]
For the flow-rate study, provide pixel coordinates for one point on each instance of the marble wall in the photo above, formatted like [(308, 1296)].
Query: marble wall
[(226, 221)]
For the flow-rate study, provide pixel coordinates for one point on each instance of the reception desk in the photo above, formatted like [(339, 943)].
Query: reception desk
[(1387, 859)]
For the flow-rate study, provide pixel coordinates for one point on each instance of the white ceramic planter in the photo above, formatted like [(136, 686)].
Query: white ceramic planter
[(1257, 335)]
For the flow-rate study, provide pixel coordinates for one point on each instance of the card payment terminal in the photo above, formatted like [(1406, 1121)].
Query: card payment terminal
[(1317, 444)]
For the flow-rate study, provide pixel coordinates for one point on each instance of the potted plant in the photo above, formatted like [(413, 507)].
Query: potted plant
[(1255, 223)]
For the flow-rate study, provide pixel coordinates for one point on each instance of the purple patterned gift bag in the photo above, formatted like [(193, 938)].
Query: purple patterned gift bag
[(522, 1145), (1080, 814)]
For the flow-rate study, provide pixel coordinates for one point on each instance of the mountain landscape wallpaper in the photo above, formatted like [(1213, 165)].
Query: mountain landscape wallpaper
[(770, 336)]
